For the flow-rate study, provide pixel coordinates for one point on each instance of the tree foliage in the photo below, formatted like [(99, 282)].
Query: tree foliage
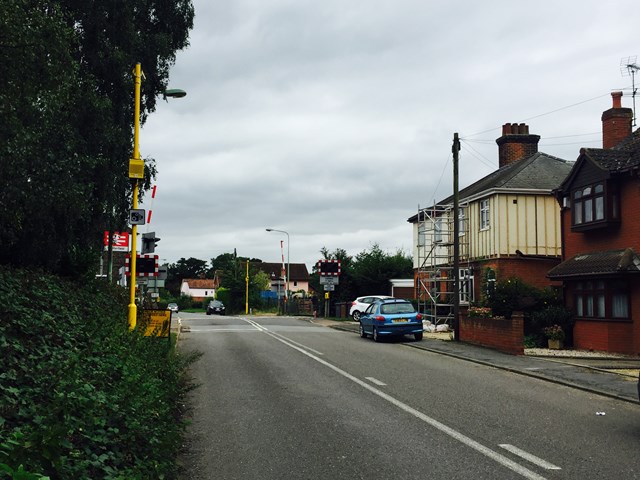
[(368, 273), (66, 119)]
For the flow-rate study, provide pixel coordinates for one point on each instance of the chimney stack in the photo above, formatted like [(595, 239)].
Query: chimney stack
[(516, 143), (616, 122)]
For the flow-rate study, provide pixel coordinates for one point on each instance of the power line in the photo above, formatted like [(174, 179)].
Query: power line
[(542, 114)]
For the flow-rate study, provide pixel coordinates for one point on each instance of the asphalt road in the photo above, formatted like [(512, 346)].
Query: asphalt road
[(281, 398)]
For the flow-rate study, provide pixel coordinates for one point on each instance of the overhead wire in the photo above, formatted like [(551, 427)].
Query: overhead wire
[(467, 140)]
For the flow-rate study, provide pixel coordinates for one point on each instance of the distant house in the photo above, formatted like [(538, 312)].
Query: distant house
[(198, 288), (600, 271), (508, 225), (299, 276)]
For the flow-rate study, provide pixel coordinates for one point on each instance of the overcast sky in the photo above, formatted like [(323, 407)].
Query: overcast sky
[(334, 120)]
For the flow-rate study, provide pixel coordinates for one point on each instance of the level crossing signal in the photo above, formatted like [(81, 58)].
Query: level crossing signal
[(149, 242)]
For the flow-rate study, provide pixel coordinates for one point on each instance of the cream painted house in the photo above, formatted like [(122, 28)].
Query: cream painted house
[(198, 288), (509, 225)]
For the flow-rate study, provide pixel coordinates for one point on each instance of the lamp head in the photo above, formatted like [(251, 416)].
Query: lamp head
[(175, 93)]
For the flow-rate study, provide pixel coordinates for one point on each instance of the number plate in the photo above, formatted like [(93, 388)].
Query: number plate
[(400, 320)]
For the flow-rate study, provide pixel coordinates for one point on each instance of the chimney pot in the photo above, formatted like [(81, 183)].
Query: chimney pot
[(617, 99), (616, 122), (516, 143)]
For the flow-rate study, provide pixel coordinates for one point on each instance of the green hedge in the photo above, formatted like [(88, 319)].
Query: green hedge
[(80, 396)]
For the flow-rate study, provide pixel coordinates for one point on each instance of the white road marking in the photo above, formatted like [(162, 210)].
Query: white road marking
[(273, 334), (221, 330), (529, 457), (486, 451), (376, 381)]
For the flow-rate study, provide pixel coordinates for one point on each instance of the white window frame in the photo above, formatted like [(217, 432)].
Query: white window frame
[(484, 214)]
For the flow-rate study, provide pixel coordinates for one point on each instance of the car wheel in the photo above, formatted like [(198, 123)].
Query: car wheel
[(376, 335), (363, 334), (418, 336), (208, 312), (356, 316)]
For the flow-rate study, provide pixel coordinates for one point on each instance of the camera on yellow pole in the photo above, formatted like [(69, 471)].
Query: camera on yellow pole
[(136, 168)]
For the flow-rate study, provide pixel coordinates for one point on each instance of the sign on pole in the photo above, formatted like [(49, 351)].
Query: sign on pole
[(156, 323), (329, 280)]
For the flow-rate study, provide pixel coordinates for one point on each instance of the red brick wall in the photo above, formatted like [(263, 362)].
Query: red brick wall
[(604, 336), (501, 334)]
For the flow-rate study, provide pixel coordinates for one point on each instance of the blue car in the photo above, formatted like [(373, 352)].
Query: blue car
[(391, 317)]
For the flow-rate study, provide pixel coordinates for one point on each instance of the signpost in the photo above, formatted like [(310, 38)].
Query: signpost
[(329, 271), (119, 241)]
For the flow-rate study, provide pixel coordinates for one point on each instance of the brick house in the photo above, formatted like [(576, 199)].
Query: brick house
[(509, 225), (600, 271)]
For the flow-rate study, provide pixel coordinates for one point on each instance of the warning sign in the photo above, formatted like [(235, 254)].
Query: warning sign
[(156, 323)]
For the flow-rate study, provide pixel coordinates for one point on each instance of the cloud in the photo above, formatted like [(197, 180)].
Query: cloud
[(334, 120)]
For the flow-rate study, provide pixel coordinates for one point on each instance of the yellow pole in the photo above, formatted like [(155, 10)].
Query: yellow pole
[(134, 228), (246, 279)]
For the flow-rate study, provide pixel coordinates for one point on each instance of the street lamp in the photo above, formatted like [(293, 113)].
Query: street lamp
[(136, 172), (288, 264)]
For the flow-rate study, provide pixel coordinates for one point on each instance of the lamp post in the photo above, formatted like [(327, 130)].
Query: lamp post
[(288, 265), (136, 172)]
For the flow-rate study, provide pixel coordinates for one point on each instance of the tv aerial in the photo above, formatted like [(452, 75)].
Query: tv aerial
[(629, 67)]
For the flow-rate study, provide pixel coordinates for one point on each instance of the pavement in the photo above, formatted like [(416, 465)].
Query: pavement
[(611, 375)]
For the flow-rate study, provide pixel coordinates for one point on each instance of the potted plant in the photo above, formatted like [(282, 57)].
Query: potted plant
[(555, 336)]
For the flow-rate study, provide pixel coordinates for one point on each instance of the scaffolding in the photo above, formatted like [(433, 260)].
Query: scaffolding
[(435, 272)]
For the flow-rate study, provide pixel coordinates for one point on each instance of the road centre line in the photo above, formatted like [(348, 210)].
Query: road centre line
[(529, 457), (376, 381), (486, 451), (221, 330), (263, 329)]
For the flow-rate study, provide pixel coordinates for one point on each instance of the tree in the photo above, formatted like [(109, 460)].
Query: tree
[(184, 268), (66, 116), (369, 273), (373, 270)]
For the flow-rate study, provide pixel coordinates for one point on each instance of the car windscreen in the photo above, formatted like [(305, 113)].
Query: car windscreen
[(391, 308)]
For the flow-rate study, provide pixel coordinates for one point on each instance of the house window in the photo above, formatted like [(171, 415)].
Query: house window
[(484, 214), (466, 285), (600, 300), (461, 221), (592, 206)]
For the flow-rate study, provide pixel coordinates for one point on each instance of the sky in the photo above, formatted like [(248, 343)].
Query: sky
[(333, 121)]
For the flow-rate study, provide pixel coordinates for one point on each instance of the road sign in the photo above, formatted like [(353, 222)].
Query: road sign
[(329, 288), (156, 323), (119, 241), (136, 216), (329, 280)]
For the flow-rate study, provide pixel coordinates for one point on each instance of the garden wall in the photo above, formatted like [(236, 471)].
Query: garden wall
[(499, 333)]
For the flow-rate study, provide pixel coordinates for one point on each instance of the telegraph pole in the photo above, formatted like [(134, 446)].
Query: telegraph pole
[(456, 240)]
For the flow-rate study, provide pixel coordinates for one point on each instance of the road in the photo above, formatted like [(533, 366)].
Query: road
[(282, 398)]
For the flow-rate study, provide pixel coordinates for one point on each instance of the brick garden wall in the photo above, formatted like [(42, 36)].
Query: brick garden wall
[(499, 333)]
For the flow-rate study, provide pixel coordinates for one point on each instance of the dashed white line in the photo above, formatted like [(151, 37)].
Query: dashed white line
[(460, 437), (529, 457), (376, 381)]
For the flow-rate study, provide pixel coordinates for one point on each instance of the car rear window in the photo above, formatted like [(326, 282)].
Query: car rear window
[(391, 308)]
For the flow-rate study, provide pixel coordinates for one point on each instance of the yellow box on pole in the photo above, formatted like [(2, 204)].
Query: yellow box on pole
[(136, 168)]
